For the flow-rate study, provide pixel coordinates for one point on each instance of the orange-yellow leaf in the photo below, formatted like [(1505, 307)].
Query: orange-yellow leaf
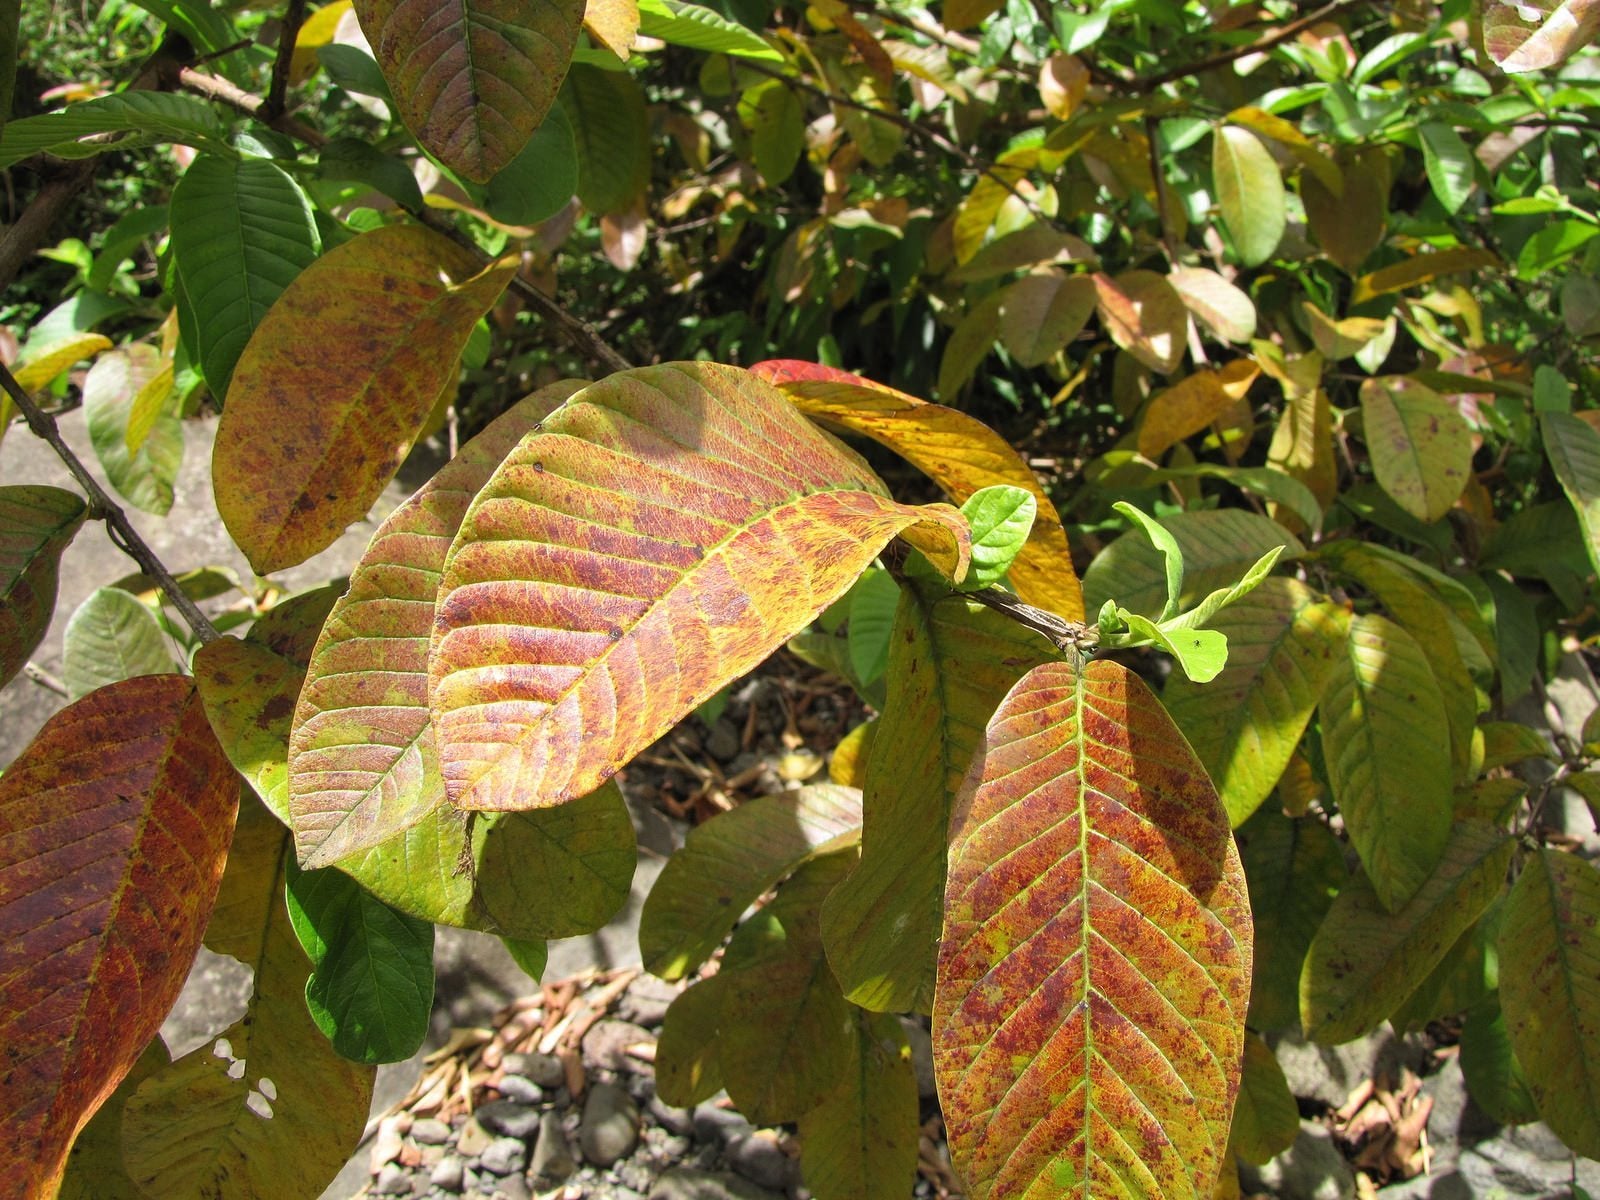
[(1193, 403), (335, 384), (958, 452), (114, 826), (612, 23), (1336, 340), (1420, 269), (1095, 970), (1063, 83), (577, 622), (1145, 316)]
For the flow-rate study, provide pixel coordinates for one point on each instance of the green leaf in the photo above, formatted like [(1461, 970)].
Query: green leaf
[(1202, 613), (541, 179), (1201, 653), (350, 159), (951, 661), (1171, 555), (776, 121), (1550, 991), (1249, 193), (1001, 517), (688, 1069), (1368, 957), (146, 477), (472, 80), (1266, 1120), (1041, 313), (1421, 448), (1574, 450), (531, 956), (1283, 641), (371, 985), (872, 602), (1295, 867), (1451, 167), (112, 636), (144, 115), (1493, 1073), (701, 28), (611, 132), (741, 854), (1095, 909), (860, 1143), (36, 524), (241, 231), (1385, 738)]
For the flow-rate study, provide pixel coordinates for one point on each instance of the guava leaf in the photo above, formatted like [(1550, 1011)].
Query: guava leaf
[(861, 1142), (958, 452), (1283, 641), (1266, 1120), (36, 524), (242, 229), (1145, 315), (1348, 222), (1041, 313), (112, 636), (146, 477), (1193, 403), (371, 985), (1201, 653), (144, 114), (1550, 991), (1205, 612), (1249, 193), (726, 865), (472, 79), (362, 761), (1421, 448), (1367, 958), (1386, 742), (688, 1068), (871, 601), (94, 1167), (567, 639), (392, 310), (1573, 447), (269, 1100), (1534, 35), (114, 826), (1452, 169), (1089, 1024), (611, 132), (950, 663), (1001, 517), (1226, 309), (1494, 1075)]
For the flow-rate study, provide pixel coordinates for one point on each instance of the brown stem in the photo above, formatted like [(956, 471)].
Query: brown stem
[(1262, 44), (28, 232), (278, 94), (1068, 636), (214, 87), (122, 533)]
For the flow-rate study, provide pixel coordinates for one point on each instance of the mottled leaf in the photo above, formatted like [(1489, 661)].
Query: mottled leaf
[(114, 825), (36, 524), (1537, 34), (1145, 315), (1041, 313), (1386, 742), (145, 478), (1295, 867), (1249, 193), (269, 1101), (727, 863), (241, 231), (362, 761), (1266, 1120), (1573, 447), (1421, 448), (1283, 640), (371, 985), (472, 80), (1089, 1025), (344, 406), (861, 1142), (950, 663), (1367, 957), (567, 638), (960, 454), (112, 636), (1193, 403), (1550, 991)]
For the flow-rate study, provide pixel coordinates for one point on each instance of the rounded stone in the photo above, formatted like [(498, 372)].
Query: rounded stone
[(610, 1126)]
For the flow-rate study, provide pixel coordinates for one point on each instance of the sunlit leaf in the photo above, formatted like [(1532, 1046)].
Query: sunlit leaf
[(1249, 193), (1301, 148), (345, 405), (612, 23), (1033, 245), (1367, 957), (727, 863), (472, 80), (95, 1170), (1089, 1024), (1283, 640), (1145, 315), (1193, 403), (1574, 451), (1452, 170), (1042, 313), (776, 121), (144, 115), (1421, 268), (1001, 517), (363, 765), (145, 478), (567, 638), (950, 663), (242, 229), (958, 452), (861, 1142), (1421, 448), (1533, 35), (1266, 1120), (1550, 991), (701, 28), (1387, 746), (112, 636), (36, 524), (1336, 340), (114, 825), (1228, 311)]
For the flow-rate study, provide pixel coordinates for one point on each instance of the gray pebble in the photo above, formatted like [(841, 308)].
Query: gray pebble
[(552, 1159), (714, 1124), (607, 1042), (544, 1069), (646, 1001), (504, 1156), (508, 1119), (610, 1126), (474, 1139), (673, 1120), (513, 1187), (761, 1160), (447, 1173), (521, 1089), (686, 1183), (430, 1132), (393, 1180)]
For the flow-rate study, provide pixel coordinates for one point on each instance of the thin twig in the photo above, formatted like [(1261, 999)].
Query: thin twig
[(1262, 44), (1068, 636), (122, 533), (44, 679), (214, 87), (279, 92)]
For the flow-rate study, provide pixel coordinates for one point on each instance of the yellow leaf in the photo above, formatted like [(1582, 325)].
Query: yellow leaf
[(1423, 268), (1191, 404), (1340, 339), (1301, 148), (148, 404), (315, 32), (613, 23), (1063, 82), (964, 14), (40, 367)]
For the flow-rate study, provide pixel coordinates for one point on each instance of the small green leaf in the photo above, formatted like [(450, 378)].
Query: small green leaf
[(1574, 450), (112, 635), (371, 985), (873, 599), (531, 956), (1202, 613), (1202, 653), (1452, 169), (776, 121), (1001, 517), (1249, 193), (1171, 555), (701, 28), (144, 115)]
